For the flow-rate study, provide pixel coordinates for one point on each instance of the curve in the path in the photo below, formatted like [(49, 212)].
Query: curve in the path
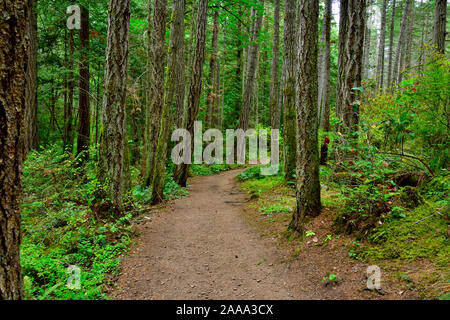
[(201, 248)]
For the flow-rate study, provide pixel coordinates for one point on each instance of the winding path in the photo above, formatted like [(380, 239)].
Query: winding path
[(200, 247)]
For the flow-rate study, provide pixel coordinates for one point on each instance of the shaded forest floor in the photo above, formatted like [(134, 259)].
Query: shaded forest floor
[(217, 244)]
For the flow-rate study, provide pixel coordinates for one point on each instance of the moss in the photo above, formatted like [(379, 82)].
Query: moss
[(345, 177), (437, 189), (411, 197), (420, 235)]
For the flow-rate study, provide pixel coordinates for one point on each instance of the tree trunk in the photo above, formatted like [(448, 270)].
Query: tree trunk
[(440, 25), (180, 82), (275, 111), (405, 44), (252, 59), (367, 40), (13, 65), (222, 77), (147, 93), (31, 81), (324, 69), (98, 103), (68, 116), (213, 74), (111, 166), (290, 63), (196, 82), (239, 66), (156, 85), (381, 47), (84, 125), (399, 56), (410, 36), (308, 185), (391, 45), (173, 100), (189, 60), (424, 34), (351, 42)]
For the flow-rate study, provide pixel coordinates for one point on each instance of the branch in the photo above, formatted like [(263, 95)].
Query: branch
[(412, 157)]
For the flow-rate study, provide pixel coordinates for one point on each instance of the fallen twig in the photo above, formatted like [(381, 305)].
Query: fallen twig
[(437, 212), (412, 157)]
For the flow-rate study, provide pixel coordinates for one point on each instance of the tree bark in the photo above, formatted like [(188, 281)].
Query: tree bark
[(400, 54), (222, 77), (275, 111), (68, 116), (410, 36), (189, 60), (156, 94), (391, 45), (324, 69), (237, 83), (173, 100), (147, 93), (180, 52), (196, 82), (290, 67), (31, 81), (112, 139), (84, 125), (351, 42), (440, 24), (405, 44), (381, 47), (367, 43), (213, 94), (13, 65), (252, 61), (424, 34), (308, 185)]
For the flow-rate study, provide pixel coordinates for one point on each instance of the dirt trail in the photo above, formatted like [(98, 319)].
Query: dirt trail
[(200, 247)]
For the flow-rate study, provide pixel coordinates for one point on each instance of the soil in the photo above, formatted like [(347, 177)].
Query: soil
[(211, 245)]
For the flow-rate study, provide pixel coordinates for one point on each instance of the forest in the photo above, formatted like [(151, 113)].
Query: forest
[(224, 149)]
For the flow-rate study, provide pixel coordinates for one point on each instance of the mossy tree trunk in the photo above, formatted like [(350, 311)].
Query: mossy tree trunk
[(391, 45), (31, 83), (213, 93), (410, 36), (381, 47), (147, 92), (84, 114), (324, 69), (156, 85), (290, 59), (275, 111), (68, 115), (252, 63), (367, 42), (400, 54), (196, 82), (173, 100)]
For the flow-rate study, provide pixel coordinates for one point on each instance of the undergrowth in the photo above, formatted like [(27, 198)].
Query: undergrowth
[(65, 226)]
